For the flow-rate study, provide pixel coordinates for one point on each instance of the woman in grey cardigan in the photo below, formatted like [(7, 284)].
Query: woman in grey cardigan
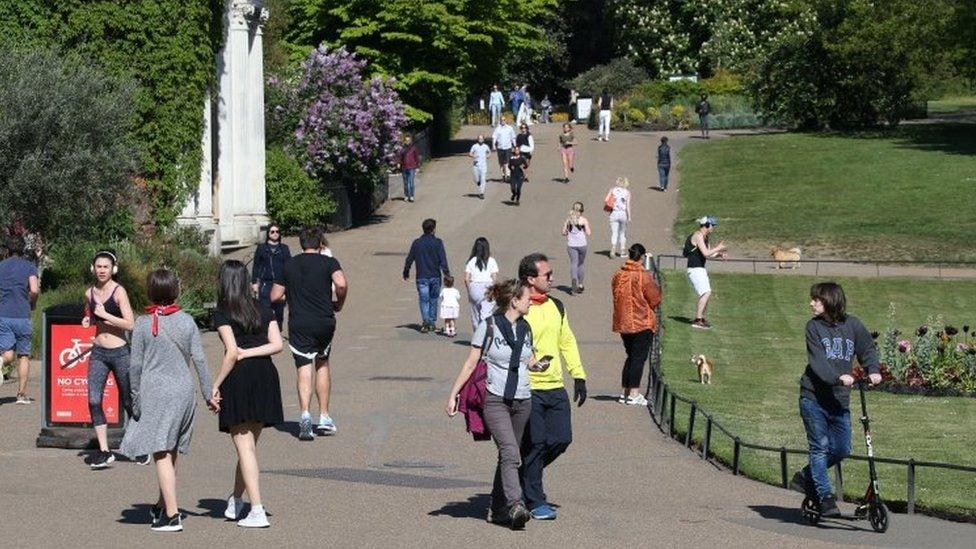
[(163, 404)]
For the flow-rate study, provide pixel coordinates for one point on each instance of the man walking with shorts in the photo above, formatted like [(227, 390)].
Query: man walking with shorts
[(19, 288), (307, 284), (479, 153), (502, 141), (697, 251), (550, 430)]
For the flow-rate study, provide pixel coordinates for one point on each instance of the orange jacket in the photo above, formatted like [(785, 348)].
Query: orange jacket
[(635, 294)]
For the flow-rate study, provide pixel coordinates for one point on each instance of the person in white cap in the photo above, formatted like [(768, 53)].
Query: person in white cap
[(697, 250)]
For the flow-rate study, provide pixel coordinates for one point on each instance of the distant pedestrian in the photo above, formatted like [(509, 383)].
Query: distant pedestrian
[(450, 307), (246, 385), (516, 168), (307, 284), (496, 102), (618, 202), (409, 163), (833, 340), (567, 150), (165, 345), (576, 228), (503, 141), (107, 307), (479, 154), (428, 252), (526, 145), (703, 108), (505, 342), (663, 164), (545, 109), (697, 250), (515, 97), (605, 106), (480, 272), (550, 430), (268, 264), (19, 289), (635, 295), (573, 105), (524, 115)]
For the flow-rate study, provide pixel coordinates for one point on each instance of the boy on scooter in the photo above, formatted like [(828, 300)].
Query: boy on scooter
[(833, 340)]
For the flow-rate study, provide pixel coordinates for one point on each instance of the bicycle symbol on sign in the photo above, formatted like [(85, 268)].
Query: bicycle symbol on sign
[(76, 354)]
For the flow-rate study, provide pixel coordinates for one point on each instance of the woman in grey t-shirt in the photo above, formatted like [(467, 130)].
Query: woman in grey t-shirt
[(504, 341)]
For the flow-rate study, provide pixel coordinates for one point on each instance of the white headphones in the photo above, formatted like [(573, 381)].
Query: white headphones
[(115, 262)]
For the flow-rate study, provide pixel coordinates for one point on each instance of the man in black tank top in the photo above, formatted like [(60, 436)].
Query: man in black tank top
[(697, 250)]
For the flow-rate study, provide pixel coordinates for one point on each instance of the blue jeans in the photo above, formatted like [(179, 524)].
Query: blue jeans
[(829, 437), (548, 434), (408, 177), (662, 172), (429, 290)]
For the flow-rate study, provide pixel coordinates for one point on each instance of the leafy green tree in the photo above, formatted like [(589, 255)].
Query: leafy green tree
[(438, 50), (65, 151)]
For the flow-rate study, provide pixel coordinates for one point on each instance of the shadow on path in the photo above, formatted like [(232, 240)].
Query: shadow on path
[(791, 515), (476, 507)]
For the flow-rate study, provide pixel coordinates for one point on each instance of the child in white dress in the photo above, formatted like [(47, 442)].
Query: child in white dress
[(450, 306)]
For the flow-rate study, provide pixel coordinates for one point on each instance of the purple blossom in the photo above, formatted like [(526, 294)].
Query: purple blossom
[(904, 346)]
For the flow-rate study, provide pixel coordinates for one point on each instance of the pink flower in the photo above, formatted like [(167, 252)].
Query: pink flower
[(904, 346), (961, 348)]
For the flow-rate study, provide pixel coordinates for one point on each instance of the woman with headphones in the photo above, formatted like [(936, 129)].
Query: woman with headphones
[(107, 307)]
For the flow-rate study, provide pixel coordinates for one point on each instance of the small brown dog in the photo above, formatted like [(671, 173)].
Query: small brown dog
[(784, 256), (705, 368)]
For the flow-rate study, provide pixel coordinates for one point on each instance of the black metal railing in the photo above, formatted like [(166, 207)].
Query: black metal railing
[(663, 404)]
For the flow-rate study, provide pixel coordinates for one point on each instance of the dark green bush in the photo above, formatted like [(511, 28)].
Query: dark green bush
[(618, 76), (295, 199)]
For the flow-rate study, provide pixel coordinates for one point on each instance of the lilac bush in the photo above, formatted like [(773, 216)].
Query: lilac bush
[(342, 126)]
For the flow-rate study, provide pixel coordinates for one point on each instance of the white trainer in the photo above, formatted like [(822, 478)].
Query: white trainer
[(638, 400), (257, 518), (234, 509)]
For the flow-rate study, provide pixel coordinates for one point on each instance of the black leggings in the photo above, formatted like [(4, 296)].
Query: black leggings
[(101, 361), (638, 347)]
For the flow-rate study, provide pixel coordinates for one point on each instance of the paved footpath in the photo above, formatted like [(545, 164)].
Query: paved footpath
[(399, 472)]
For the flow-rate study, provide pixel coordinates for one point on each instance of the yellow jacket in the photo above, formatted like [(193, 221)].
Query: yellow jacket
[(551, 335)]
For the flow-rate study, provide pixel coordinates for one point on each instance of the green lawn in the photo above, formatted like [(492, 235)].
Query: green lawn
[(908, 193), (757, 344), (952, 105)]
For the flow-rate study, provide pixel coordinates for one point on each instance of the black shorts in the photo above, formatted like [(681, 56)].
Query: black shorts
[(504, 155), (310, 344)]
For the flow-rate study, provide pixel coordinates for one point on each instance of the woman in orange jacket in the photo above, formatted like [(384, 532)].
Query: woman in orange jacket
[(635, 295)]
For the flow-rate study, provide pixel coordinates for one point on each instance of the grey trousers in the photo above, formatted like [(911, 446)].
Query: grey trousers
[(577, 255), (506, 423)]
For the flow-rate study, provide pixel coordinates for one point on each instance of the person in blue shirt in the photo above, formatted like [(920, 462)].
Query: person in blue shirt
[(19, 288), (269, 264), (428, 252)]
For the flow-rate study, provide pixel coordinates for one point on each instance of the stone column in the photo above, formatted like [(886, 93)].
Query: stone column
[(255, 188)]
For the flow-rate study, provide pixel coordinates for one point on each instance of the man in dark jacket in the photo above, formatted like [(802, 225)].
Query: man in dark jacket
[(268, 265), (703, 108), (663, 164), (428, 252)]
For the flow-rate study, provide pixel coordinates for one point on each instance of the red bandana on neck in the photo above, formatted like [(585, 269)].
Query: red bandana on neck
[(538, 299), (160, 310)]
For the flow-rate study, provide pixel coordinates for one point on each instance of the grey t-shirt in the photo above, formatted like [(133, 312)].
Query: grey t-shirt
[(498, 356)]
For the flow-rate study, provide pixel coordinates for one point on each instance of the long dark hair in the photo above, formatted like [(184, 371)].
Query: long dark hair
[(481, 251), (833, 299), (234, 296)]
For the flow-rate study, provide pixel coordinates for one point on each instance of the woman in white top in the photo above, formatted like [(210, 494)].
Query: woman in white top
[(618, 198), (576, 228), (480, 273)]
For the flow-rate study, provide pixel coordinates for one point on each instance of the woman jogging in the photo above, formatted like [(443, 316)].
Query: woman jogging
[(576, 228), (165, 344), (567, 150), (246, 385), (833, 339), (107, 307), (618, 203), (504, 342), (635, 295), (480, 272)]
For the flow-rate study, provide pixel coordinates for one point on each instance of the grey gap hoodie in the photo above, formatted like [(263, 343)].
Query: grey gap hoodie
[(831, 349)]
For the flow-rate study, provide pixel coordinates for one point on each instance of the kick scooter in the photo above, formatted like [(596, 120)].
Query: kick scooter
[(873, 509)]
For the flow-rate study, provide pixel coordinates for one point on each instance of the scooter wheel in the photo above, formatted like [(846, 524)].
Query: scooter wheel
[(811, 510), (878, 516)]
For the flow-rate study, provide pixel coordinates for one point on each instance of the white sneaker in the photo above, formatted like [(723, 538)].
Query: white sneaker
[(326, 426), (257, 518), (234, 509), (622, 398), (638, 400)]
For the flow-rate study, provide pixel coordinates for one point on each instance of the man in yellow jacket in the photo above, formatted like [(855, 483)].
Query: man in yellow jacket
[(549, 431)]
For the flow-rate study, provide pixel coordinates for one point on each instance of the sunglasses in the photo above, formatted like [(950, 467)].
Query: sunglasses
[(274, 231)]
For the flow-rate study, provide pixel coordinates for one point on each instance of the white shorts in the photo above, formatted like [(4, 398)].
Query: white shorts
[(699, 279), (449, 312)]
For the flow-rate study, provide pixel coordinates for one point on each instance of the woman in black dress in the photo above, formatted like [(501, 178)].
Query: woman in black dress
[(247, 385)]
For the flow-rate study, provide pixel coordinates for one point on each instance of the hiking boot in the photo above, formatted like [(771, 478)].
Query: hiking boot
[(519, 515), (828, 507)]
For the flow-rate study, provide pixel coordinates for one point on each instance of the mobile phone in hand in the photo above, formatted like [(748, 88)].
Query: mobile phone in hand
[(542, 364)]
